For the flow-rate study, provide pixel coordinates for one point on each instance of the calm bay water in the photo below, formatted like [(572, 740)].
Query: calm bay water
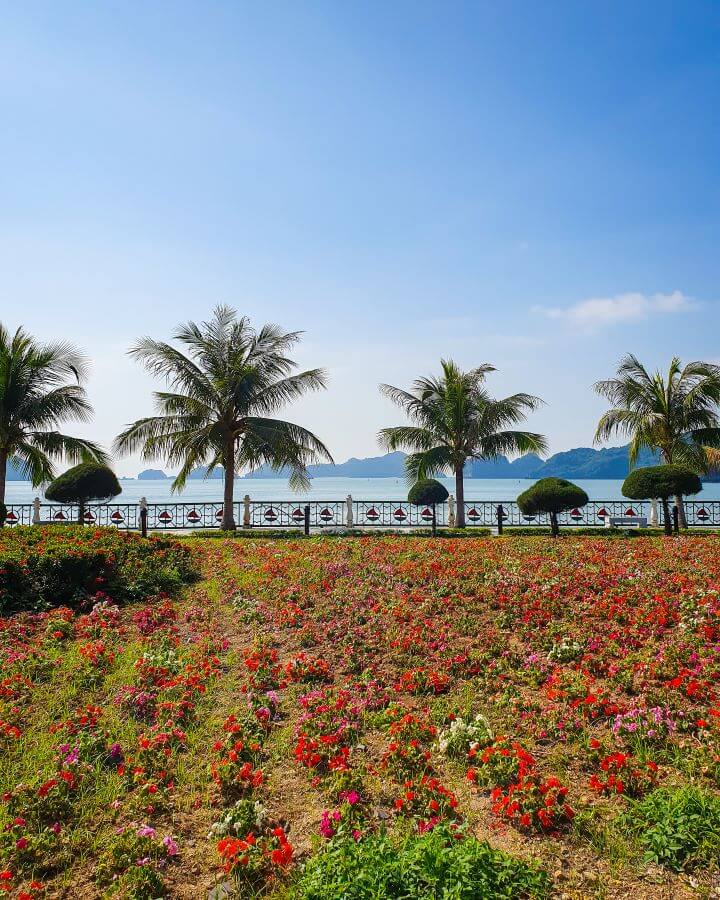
[(332, 489)]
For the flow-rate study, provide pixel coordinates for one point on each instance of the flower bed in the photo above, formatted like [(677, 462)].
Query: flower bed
[(58, 566), (320, 718)]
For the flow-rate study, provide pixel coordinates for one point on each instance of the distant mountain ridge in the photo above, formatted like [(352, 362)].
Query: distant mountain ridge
[(390, 465), (579, 463)]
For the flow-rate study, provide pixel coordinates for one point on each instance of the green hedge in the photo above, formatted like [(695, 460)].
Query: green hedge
[(50, 566)]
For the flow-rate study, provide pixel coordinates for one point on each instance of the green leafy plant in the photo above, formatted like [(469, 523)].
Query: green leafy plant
[(41, 567), (663, 482), (675, 414), (454, 419), (678, 827), (440, 863), (86, 481), (428, 492), (222, 394), (551, 496), (41, 386)]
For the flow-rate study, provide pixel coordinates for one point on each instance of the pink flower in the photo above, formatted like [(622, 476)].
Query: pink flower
[(326, 829), (170, 845)]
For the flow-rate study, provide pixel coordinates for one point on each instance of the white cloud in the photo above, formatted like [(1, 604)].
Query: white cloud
[(597, 312)]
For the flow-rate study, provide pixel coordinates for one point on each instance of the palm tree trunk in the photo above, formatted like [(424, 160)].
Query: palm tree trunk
[(666, 516), (554, 529), (228, 520), (682, 521), (81, 512), (460, 495), (3, 477)]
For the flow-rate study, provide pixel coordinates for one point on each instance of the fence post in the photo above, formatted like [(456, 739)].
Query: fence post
[(36, 511), (451, 511), (306, 518), (349, 521), (246, 511), (500, 512), (676, 519), (143, 516)]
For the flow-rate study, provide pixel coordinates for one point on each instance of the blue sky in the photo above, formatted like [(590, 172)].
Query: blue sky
[(533, 184)]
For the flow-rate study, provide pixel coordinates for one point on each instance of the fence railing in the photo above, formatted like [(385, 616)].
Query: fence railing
[(347, 513)]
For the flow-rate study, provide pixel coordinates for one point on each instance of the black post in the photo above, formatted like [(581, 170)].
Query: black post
[(143, 521), (500, 515), (676, 520), (434, 522), (306, 518)]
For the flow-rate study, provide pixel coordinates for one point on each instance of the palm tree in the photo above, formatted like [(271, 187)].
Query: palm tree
[(220, 395), (40, 387), (676, 415), (454, 419)]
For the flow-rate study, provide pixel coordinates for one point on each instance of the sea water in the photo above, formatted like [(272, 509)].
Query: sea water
[(496, 489)]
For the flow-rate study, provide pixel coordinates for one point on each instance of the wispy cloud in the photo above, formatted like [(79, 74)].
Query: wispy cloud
[(598, 312)]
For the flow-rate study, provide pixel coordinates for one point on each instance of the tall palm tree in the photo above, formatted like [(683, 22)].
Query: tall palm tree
[(454, 419), (220, 396), (676, 414), (40, 387)]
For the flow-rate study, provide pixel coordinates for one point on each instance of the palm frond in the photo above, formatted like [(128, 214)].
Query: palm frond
[(426, 463)]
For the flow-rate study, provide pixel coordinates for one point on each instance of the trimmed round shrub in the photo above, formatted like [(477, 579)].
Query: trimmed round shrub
[(662, 482), (551, 496), (86, 481), (427, 492)]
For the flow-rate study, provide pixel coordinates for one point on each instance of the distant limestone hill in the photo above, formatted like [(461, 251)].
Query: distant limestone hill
[(201, 472), (159, 475), (391, 465), (581, 463), (586, 462), (502, 467)]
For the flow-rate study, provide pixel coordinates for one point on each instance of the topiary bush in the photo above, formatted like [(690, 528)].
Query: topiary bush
[(661, 482), (86, 481), (428, 492), (551, 496)]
